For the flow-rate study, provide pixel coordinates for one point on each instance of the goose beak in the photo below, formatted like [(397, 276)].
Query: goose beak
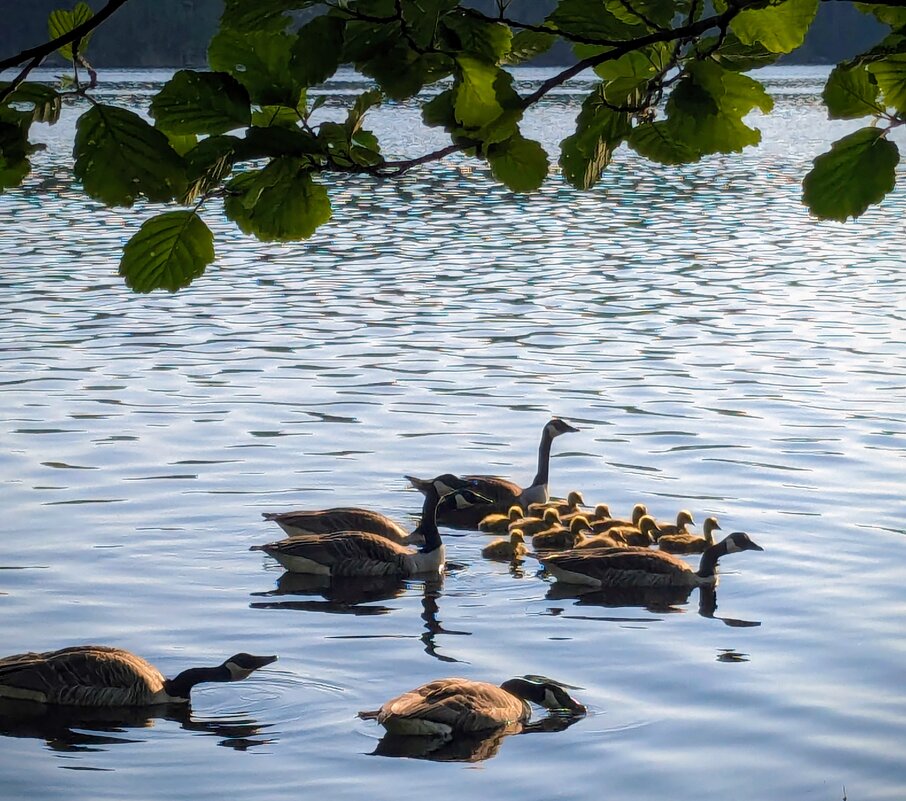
[(568, 427), (754, 546), (261, 661)]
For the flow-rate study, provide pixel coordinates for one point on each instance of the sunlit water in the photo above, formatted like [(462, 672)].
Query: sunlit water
[(719, 349)]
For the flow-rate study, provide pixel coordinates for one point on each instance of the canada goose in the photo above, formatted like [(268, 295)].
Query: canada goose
[(499, 522), (600, 512), (640, 567), (638, 511), (459, 706), (98, 675), (350, 518), (558, 538), (683, 518), (572, 504), (506, 549), (689, 543), (357, 553), (501, 492), (532, 525)]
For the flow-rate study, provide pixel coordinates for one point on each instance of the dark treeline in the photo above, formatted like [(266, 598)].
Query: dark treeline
[(175, 33)]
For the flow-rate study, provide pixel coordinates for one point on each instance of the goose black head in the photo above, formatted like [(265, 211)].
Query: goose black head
[(556, 427), (462, 499), (242, 664), (739, 541), (548, 694)]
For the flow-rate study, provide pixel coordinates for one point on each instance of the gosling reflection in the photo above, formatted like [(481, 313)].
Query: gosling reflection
[(460, 720), (351, 595), (90, 729)]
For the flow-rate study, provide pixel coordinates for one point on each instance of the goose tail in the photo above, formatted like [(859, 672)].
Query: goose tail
[(421, 484), (369, 715)]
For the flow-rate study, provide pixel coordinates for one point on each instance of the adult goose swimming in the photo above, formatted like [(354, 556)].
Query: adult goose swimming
[(358, 553), (461, 706), (98, 675), (502, 493), (352, 518), (641, 567)]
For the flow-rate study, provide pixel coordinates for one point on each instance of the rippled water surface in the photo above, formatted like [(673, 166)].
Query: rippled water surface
[(719, 349)]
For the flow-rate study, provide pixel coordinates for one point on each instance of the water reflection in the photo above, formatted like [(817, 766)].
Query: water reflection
[(658, 600), (433, 626), (81, 729), (345, 595), (466, 748)]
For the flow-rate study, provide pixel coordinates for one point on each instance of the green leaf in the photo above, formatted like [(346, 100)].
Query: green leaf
[(488, 41), (280, 116), (62, 21), (208, 163), (356, 114), (659, 12), (119, 157), (422, 20), (527, 45), (779, 28), (317, 50), (850, 92), (592, 19), (14, 149), (641, 65), (599, 132), (201, 103), (475, 98), (657, 142), (401, 72), (271, 15), (519, 164), (735, 55), (733, 93), (280, 203), (182, 143), (168, 252), (889, 15), (890, 74), (858, 171), (260, 61), (44, 101)]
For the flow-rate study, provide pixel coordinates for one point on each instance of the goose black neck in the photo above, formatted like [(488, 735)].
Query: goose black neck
[(544, 458), (708, 565), (428, 526), (180, 686), (526, 690)]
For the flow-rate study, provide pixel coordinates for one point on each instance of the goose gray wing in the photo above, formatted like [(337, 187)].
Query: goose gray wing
[(87, 674), (461, 704), (343, 553), (340, 518), (496, 489)]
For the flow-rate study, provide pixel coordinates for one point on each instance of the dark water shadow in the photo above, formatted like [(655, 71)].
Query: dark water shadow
[(357, 595), (85, 729), (466, 748), (657, 600), (350, 595)]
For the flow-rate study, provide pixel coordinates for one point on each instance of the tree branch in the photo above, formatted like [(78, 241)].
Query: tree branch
[(43, 50)]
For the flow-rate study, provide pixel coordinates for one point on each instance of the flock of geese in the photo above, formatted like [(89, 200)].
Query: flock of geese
[(576, 546)]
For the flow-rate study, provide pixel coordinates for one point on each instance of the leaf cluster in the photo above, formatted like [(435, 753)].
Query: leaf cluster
[(256, 131)]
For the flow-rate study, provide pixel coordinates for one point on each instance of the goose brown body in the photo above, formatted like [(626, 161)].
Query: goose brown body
[(103, 676), (357, 553), (509, 548), (641, 567), (456, 705), (340, 518)]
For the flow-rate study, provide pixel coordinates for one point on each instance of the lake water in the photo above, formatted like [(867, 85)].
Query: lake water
[(719, 349)]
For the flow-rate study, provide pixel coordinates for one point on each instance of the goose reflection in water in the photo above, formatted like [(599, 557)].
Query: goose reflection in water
[(90, 729), (357, 595), (658, 600), (342, 595)]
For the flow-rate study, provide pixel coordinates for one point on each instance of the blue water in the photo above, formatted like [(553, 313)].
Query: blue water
[(720, 350)]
